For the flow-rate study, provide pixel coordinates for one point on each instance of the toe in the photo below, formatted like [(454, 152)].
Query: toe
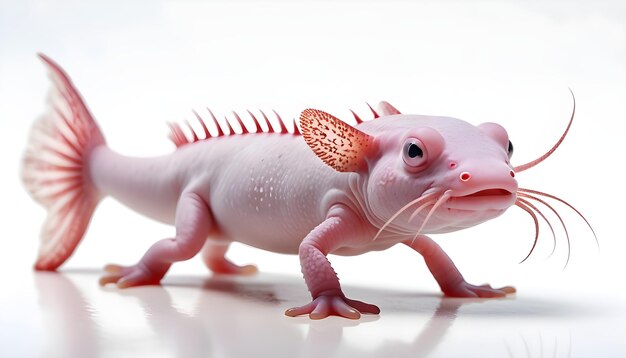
[(298, 311), (489, 293), (465, 289), (364, 307), (321, 310), (106, 279), (137, 278), (341, 308), (225, 267), (249, 270), (113, 269), (508, 289)]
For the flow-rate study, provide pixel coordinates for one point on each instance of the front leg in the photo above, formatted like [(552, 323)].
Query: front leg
[(320, 278), (448, 276), (193, 220)]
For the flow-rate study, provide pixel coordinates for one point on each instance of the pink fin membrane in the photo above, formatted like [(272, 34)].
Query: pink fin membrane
[(54, 169)]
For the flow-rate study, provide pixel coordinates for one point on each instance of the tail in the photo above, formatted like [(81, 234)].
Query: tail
[(55, 171)]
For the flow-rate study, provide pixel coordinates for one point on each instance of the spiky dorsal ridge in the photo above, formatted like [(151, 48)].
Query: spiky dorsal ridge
[(180, 138)]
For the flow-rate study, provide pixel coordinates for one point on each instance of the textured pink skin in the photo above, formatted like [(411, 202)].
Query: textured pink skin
[(294, 203)]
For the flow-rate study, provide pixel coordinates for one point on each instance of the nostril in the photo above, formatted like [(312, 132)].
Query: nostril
[(512, 174), (452, 165), (465, 176)]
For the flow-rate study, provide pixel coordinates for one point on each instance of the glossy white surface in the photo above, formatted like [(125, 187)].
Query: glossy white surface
[(67, 315), (141, 63)]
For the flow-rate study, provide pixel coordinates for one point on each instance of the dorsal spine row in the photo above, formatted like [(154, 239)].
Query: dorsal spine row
[(178, 136)]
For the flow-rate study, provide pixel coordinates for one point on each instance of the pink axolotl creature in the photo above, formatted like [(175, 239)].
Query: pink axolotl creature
[(334, 188)]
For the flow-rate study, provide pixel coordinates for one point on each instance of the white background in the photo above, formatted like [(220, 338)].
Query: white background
[(140, 64)]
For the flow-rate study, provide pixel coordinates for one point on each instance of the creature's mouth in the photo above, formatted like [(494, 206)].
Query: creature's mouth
[(488, 199)]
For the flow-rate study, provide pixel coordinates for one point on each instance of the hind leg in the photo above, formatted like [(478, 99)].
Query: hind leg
[(193, 222), (213, 255)]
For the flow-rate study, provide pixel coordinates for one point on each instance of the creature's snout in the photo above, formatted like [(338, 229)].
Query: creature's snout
[(471, 178)]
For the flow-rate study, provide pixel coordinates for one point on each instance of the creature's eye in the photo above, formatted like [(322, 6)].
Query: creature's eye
[(414, 152), (498, 133)]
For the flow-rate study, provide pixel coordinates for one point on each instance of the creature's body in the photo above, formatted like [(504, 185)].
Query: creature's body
[(389, 181)]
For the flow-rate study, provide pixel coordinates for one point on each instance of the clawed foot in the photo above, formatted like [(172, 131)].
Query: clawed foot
[(333, 305), (129, 276), (464, 289)]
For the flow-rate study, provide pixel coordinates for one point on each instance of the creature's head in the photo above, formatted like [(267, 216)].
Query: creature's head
[(448, 173), (425, 174)]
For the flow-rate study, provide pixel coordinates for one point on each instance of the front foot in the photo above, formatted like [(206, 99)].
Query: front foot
[(130, 276), (464, 289), (333, 305)]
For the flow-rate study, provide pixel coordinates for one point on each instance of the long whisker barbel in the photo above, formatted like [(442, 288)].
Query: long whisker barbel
[(442, 199), (530, 191), (420, 208), (528, 196), (532, 214), (533, 207), (403, 209), (524, 195)]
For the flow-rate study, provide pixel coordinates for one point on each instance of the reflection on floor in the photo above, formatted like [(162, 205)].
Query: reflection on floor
[(243, 317)]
